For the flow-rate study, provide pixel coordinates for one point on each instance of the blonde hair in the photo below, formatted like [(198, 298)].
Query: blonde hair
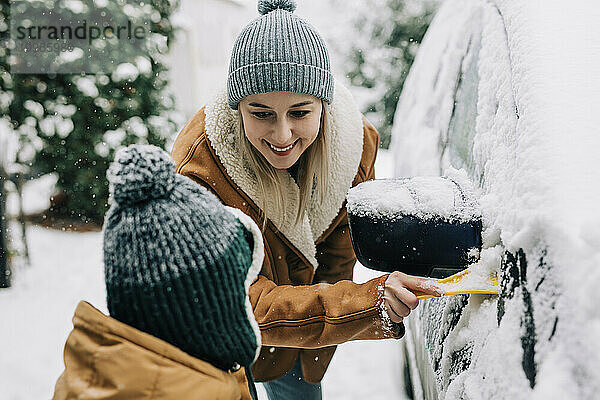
[(313, 172)]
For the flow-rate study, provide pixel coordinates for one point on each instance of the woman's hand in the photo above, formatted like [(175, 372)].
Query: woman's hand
[(399, 298)]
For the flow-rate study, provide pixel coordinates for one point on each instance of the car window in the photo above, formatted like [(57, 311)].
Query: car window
[(427, 101), (457, 144)]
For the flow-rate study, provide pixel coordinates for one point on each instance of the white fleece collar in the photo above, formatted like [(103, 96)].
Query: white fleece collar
[(346, 145)]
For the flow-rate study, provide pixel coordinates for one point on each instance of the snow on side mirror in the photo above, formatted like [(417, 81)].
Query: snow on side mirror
[(425, 226)]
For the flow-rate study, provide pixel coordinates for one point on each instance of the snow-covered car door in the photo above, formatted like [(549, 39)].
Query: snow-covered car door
[(456, 109), (497, 90)]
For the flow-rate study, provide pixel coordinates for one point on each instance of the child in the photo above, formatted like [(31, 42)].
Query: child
[(178, 266)]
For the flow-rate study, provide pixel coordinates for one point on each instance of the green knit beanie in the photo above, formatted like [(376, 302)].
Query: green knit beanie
[(178, 264), (279, 52)]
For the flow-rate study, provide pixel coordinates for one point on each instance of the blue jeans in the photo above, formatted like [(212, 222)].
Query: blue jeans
[(292, 386)]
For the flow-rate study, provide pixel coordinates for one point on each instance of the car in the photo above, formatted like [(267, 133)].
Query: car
[(508, 92)]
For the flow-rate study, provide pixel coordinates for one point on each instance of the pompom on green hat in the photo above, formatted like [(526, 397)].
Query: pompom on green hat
[(279, 52), (178, 263)]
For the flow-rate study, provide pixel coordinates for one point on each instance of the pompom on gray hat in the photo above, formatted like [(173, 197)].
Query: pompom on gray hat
[(178, 263), (279, 52)]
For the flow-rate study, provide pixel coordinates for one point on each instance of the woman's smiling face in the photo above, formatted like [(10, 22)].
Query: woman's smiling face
[(281, 125)]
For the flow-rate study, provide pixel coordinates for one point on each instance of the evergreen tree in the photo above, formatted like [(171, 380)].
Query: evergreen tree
[(72, 123), (389, 33)]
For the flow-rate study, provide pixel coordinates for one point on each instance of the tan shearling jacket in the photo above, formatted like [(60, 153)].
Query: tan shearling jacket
[(304, 300)]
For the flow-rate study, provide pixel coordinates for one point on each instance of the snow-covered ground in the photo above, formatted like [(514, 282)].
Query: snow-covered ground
[(36, 312)]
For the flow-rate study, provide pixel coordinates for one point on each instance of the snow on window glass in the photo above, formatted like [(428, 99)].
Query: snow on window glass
[(427, 101), (457, 144)]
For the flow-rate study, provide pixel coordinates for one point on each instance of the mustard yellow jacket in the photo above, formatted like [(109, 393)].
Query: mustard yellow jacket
[(106, 359)]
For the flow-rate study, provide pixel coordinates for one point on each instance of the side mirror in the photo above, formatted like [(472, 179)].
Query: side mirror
[(425, 226)]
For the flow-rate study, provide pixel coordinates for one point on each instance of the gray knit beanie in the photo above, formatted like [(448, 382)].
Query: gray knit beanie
[(279, 52), (178, 264)]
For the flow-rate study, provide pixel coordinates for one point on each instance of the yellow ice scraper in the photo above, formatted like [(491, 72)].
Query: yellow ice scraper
[(423, 226), (468, 281)]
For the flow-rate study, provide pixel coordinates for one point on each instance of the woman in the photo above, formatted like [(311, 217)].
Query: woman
[(284, 143)]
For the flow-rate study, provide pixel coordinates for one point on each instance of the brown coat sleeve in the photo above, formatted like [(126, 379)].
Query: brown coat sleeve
[(320, 315)]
